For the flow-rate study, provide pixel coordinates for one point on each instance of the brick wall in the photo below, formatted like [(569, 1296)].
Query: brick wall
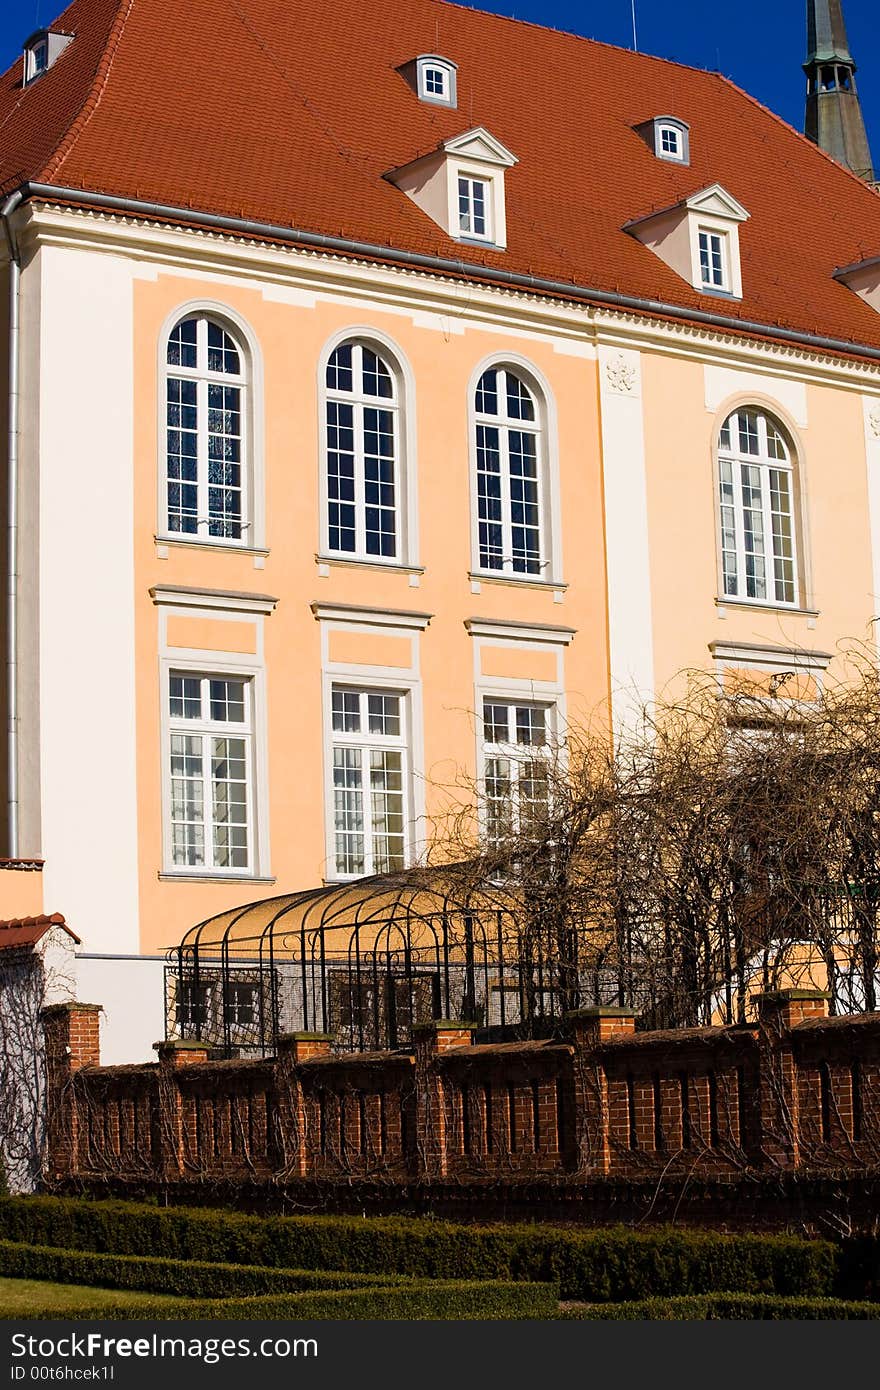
[(795, 1093)]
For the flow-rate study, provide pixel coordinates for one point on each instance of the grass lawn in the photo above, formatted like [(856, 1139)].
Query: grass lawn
[(28, 1296)]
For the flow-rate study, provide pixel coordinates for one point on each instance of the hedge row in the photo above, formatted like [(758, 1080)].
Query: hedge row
[(611, 1265), (729, 1306), (418, 1301), (187, 1278)]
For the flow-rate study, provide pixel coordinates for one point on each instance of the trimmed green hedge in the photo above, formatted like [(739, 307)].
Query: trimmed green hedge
[(418, 1301), (608, 1265), (186, 1278), (729, 1306)]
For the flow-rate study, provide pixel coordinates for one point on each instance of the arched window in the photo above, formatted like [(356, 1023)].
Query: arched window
[(206, 388), (756, 498), (510, 521), (362, 454)]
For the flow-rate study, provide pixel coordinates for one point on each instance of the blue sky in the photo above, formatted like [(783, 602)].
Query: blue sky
[(758, 43)]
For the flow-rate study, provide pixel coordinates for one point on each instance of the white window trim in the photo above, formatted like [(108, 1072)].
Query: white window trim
[(253, 437), (32, 72), (549, 471), (496, 207), (799, 604), (407, 501), (729, 233), (470, 178), (389, 680), (365, 741), (715, 239), (516, 754), (449, 95), (682, 134), (198, 662), (405, 680)]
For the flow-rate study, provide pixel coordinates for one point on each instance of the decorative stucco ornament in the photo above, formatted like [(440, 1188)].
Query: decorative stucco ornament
[(621, 375)]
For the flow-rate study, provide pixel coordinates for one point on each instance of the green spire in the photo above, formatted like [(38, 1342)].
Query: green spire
[(826, 33)]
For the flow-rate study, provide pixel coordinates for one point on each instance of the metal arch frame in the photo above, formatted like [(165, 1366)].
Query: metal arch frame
[(386, 932)]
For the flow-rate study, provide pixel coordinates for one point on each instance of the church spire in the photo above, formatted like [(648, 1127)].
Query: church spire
[(834, 114)]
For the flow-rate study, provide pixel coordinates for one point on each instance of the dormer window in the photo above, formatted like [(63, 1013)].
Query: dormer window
[(460, 186), (41, 51), (432, 78), (863, 278), (713, 259), (698, 239), (668, 138), (473, 207)]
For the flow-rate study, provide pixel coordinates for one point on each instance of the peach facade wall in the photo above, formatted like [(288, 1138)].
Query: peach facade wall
[(836, 585), (292, 338)]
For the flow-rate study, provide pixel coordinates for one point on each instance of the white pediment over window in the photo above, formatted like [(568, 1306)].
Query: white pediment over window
[(479, 144), (460, 186), (863, 278), (698, 238)]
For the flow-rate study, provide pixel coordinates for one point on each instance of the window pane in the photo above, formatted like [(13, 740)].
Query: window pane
[(499, 819), (340, 477), (386, 809), (346, 711), (182, 350), (222, 352), (378, 444), (496, 722), (187, 800), (348, 810), (185, 697), (486, 400), (227, 701), (377, 378), (182, 455), (489, 506), (229, 784), (753, 532), (340, 369), (383, 712), (531, 725)]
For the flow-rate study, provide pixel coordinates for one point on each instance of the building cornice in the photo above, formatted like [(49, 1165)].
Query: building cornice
[(568, 312)]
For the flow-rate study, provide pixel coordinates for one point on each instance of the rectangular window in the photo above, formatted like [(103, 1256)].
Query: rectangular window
[(713, 260), (516, 746), (370, 780), (473, 206), (210, 732)]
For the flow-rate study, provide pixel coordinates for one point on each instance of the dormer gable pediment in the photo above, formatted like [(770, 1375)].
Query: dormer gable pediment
[(460, 186), (698, 238), (480, 146), (715, 201)]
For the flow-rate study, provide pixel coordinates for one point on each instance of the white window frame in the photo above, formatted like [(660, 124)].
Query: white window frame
[(32, 70), (549, 501), (432, 62), (253, 524), (207, 730), (364, 741), (665, 125), (218, 665), (765, 465), (470, 179), (405, 450), (516, 754), (716, 243)]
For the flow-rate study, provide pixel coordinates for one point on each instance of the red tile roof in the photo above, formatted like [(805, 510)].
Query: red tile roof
[(28, 931), (278, 111)]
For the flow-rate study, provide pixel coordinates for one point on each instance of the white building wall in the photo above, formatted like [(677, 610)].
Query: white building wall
[(131, 991), (88, 787)]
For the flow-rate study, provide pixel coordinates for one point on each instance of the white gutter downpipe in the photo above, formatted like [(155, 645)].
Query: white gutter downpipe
[(9, 207)]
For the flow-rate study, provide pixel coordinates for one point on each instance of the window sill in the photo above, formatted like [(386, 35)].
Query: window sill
[(170, 876), (494, 577), (769, 606), (355, 562), (177, 540)]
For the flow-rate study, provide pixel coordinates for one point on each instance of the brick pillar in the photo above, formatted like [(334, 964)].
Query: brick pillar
[(589, 1030), (72, 1042), (431, 1041), (169, 1120), (779, 1012), (292, 1049)]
